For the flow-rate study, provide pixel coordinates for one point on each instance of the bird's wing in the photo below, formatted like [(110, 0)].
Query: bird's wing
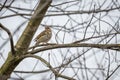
[(40, 35)]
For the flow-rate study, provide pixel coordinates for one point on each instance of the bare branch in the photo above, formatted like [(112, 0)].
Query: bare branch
[(101, 46), (11, 38), (49, 66), (16, 30)]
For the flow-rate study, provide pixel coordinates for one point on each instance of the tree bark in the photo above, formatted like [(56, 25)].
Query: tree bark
[(24, 41)]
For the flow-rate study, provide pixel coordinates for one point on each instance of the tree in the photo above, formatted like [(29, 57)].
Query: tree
[(84, 45)]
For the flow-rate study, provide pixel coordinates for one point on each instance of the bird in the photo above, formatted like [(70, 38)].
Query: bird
[(44, 36)]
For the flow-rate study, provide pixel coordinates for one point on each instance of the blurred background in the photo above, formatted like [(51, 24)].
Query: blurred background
[(86, 21)]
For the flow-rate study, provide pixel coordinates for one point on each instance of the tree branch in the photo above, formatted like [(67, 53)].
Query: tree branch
[(25, 39), (49, 66), (55, 46), (11, 38)]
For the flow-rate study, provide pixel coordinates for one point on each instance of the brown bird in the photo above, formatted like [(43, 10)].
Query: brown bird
[(44, 36)]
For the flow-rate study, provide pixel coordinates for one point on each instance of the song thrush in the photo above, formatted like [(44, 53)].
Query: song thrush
[(44, 36)]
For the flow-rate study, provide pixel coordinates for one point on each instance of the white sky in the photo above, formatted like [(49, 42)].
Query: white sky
[(27, 64)]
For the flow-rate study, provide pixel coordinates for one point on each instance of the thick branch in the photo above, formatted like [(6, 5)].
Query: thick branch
[(25, 39), (55, 46)]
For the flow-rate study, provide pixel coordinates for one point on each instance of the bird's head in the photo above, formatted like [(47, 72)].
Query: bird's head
[(47, 28)]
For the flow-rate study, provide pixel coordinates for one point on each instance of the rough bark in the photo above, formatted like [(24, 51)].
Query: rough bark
[(24, 41)]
